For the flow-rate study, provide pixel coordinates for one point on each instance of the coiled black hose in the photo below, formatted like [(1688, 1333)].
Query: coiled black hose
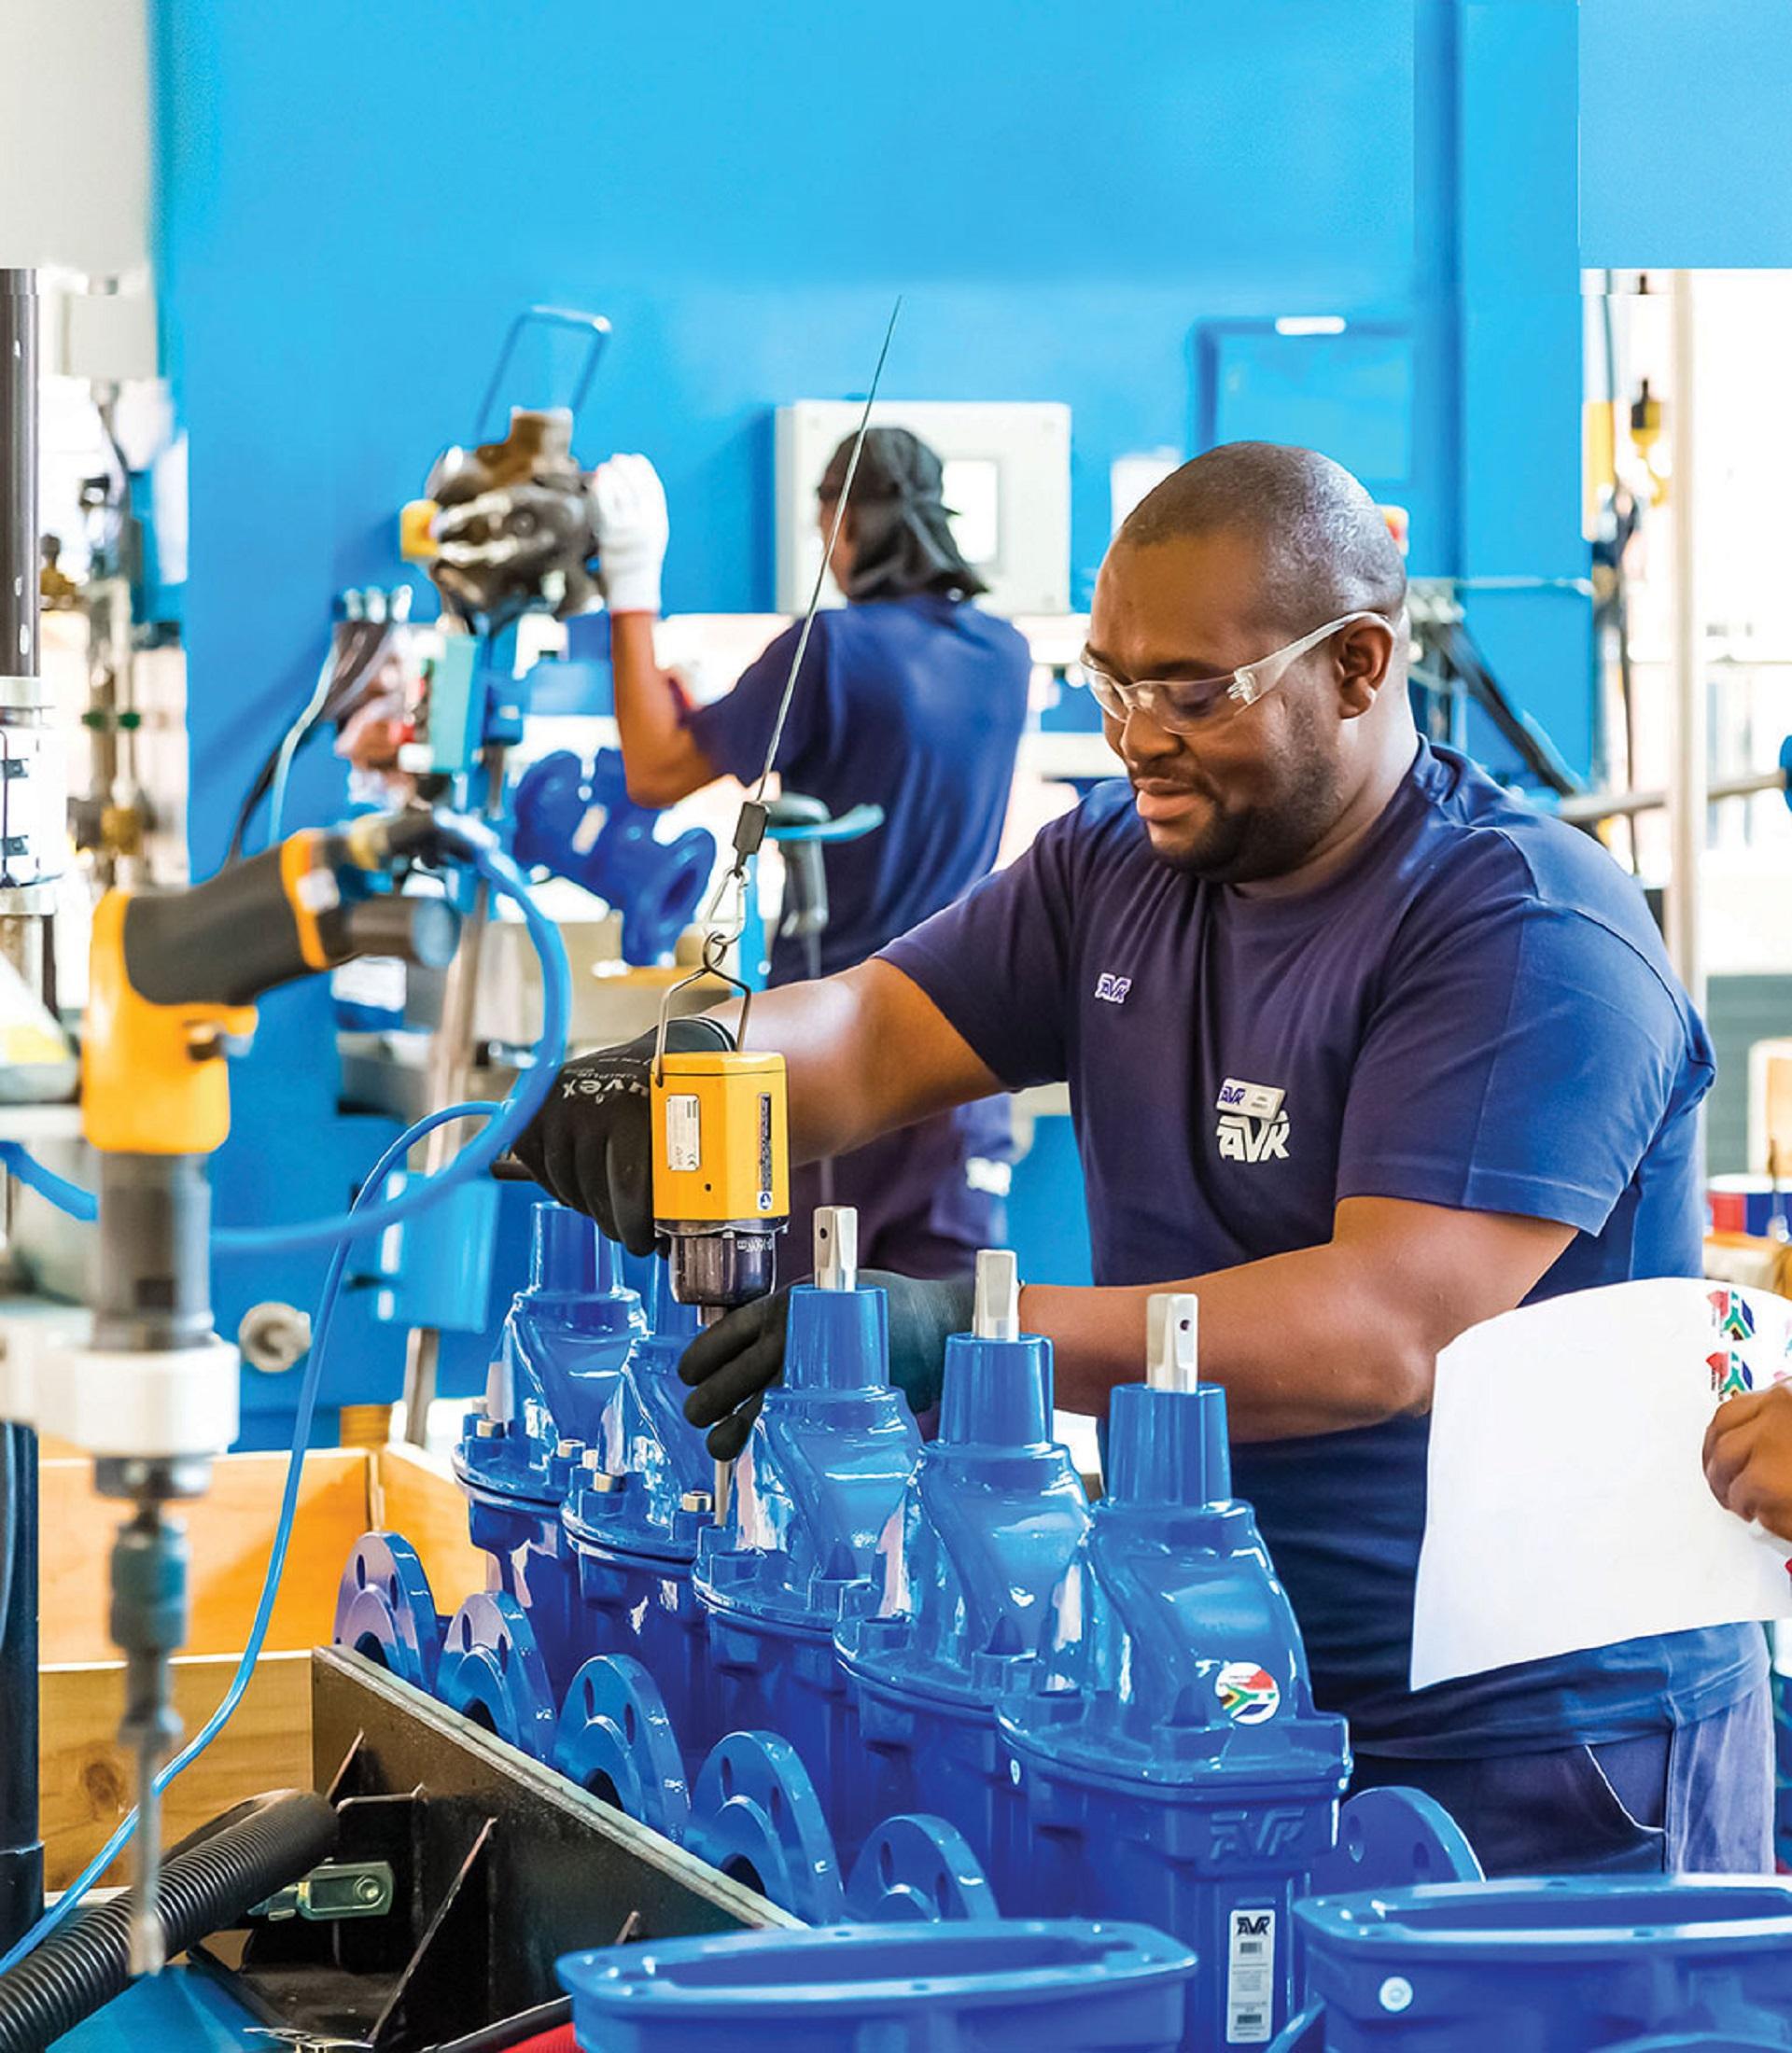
[(207, 1883)]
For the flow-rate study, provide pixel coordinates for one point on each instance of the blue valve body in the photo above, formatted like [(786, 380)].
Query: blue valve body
[(989, 1523), (634, 1532), (580, 822), (1173, 1766), (565, 1341), (816, 1488)]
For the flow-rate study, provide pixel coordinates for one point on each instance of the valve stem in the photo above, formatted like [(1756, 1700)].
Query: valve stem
[(997, 1315), (1170, 1332), (837, 1248)]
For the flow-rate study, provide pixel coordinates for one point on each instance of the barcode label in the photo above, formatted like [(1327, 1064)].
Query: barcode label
[(1250, 1977), (683, 1132)]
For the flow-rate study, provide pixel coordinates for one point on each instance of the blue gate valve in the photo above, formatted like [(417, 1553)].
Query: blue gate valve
[(816, 1488), (614, 1738), (633, 1519), (1173, 1766), (579, 821), (992, 1517), (491, 1671), (565, 1341)]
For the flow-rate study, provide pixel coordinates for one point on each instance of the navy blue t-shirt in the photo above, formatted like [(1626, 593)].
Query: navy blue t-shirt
[(1478, 1013), (915, 704)]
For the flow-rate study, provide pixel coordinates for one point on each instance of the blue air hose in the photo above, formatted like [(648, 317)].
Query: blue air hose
[(473, 1160), (66, 1196)]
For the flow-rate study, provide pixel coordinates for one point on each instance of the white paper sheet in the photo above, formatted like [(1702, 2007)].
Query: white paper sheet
[(1568, 1507)]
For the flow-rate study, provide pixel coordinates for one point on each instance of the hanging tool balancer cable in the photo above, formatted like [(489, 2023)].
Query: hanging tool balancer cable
[(749, 828)]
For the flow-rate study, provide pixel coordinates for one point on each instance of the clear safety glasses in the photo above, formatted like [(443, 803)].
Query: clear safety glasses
[(1180, 706)]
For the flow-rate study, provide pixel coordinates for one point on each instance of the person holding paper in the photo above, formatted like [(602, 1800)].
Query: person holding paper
[(1748, 1457), (1361, 1050)]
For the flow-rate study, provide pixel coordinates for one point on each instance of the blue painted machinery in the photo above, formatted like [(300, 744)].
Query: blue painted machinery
[(1015, 1988), (893, 1683), (560, 1361), (633, 1524)]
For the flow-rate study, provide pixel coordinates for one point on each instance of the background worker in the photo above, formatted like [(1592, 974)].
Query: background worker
[(1361, 1050), (912, 698)]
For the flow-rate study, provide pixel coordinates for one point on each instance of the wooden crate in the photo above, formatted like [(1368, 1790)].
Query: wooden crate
[(85, 1778)]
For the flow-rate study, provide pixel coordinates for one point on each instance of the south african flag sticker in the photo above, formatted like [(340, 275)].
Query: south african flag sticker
[(1248, 1694)]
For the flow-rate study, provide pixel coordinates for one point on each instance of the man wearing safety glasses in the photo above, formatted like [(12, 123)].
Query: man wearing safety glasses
[(1360, 1050)]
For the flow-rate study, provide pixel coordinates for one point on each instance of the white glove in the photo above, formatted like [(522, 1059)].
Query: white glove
[(629, 519)]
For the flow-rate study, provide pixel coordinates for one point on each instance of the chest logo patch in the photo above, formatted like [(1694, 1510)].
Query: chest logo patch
[(1112, 990), (1253, 1122)]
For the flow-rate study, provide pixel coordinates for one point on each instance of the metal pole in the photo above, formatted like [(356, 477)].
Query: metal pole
[(1588, 807), (446, 1075), (1689, 769), (21, 1852), (29, 851), (18, 475)]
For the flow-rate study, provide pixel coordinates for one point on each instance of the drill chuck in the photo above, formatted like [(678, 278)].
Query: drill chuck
[(720, 1266)]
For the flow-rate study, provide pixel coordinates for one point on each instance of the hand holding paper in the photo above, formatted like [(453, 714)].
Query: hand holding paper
[(1568, 1505), (1748, 1457)]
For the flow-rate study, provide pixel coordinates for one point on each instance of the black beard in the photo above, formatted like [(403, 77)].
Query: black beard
[(1246, 847)]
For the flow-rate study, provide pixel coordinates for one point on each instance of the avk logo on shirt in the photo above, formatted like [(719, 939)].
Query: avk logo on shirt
[(1112, 990), (1254, 1127)]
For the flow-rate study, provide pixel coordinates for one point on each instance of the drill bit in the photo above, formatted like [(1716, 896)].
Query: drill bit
[(148, 1952), (148, 1623)]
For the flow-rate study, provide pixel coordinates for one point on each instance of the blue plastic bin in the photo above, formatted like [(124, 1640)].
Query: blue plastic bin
[(1568, 1966), (998, 1988)]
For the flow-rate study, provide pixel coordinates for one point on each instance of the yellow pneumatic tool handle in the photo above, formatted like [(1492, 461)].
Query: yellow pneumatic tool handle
[(175, 975)]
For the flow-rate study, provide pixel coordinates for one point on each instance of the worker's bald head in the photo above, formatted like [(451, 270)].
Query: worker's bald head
[(1242, 553), (1321, 543)]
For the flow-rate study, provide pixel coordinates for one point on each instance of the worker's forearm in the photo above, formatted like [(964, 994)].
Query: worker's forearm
[(1305, 1343), (660, 760)]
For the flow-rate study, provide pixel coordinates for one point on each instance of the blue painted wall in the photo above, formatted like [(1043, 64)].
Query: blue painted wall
[(354, 198), (1684, 133)]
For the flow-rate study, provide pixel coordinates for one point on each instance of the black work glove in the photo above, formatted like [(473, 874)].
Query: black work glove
[(591, 1145), (732, 1364)]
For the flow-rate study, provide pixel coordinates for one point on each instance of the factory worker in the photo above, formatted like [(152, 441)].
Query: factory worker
[(911, 698), (1362, 1051)]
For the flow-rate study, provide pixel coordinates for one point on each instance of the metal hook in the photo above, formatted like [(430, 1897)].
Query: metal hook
[(715, 948)]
